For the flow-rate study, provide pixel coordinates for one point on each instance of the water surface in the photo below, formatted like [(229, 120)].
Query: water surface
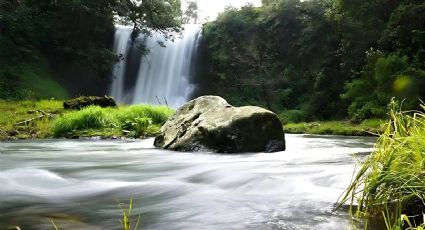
[(79, 184)]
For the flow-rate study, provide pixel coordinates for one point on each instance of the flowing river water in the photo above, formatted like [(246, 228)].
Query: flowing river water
[(79, 184)]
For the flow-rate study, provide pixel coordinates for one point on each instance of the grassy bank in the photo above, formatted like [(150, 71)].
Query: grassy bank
[(27, 119), (48, 119), (346, 128), (390, 185)]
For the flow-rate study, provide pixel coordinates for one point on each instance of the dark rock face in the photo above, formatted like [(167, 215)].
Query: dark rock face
[(84, 101), (209, 123)]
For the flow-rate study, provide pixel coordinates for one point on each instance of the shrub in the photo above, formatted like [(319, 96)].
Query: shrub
[(294, 116)]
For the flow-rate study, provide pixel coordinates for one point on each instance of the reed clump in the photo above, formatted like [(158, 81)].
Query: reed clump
[(390, 185)]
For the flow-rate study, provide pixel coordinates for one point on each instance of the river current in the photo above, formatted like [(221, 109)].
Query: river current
[(80, 184)]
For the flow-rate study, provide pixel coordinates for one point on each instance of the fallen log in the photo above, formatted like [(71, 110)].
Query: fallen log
[(26, 122), (81, 102), (43, 114)]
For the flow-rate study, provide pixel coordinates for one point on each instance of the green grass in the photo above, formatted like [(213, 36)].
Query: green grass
[(133, 121), (32, 80), (129, 121), (346, 128), (127, 219), (390, 185), (12, 112)]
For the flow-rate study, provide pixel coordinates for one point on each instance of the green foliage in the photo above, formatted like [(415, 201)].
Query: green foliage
[(92, 117), (273, 56), (384, 77), (158, 114), (12, 112), (135, 121), (147, 16), (126, 221), (292, 116), (191, 14), (29, 81), (346, 128), (328, 59), (391, 182), (131, 121)]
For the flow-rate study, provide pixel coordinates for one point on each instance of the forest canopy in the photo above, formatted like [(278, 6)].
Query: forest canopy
[(319, 59)]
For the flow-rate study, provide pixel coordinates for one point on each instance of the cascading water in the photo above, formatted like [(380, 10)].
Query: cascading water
[(163, 76), (121, 41)]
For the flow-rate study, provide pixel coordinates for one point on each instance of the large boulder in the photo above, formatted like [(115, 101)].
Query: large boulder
[(209, 123)]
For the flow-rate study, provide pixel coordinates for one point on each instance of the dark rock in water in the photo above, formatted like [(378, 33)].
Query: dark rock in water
[(84, 101), (209, 123)]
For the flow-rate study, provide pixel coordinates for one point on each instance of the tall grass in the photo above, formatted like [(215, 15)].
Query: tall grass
[(390, 185), (136, 120), (93, 117)]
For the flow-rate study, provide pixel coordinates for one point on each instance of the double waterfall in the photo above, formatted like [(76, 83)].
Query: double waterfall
[(163, 75)]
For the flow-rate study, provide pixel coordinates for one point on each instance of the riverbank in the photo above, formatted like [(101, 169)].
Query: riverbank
[(370, 127), (48, 119)]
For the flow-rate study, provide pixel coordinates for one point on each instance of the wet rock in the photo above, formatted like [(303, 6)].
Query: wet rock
[(209, 123)]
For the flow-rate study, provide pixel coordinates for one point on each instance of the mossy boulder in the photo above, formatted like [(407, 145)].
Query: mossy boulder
[(84, 101), (209, 123)]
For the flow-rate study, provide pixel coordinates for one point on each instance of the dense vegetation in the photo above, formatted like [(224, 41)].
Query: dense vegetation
[(42, 42), (48, 118), (390, 184), (319, 59), (133, 121)]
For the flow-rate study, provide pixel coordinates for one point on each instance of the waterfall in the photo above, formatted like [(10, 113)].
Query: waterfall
[(163, 76), (121, 43)]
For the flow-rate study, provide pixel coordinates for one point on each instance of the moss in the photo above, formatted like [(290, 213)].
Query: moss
[(85, 101)]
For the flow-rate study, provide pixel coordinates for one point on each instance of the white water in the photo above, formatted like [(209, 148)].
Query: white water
[(121, 42), (79, 184), (164, 75)]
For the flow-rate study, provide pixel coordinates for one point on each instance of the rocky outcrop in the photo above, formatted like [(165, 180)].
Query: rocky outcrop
[(209, 123), (84, 101)]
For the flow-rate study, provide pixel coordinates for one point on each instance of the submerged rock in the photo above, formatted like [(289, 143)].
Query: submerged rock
[(84, 101), (209, 123)]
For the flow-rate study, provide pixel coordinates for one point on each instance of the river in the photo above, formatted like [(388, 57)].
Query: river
[(79, 184)]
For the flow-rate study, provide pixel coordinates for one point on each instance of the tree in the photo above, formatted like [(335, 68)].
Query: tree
[(191, 14), (162, 16)]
